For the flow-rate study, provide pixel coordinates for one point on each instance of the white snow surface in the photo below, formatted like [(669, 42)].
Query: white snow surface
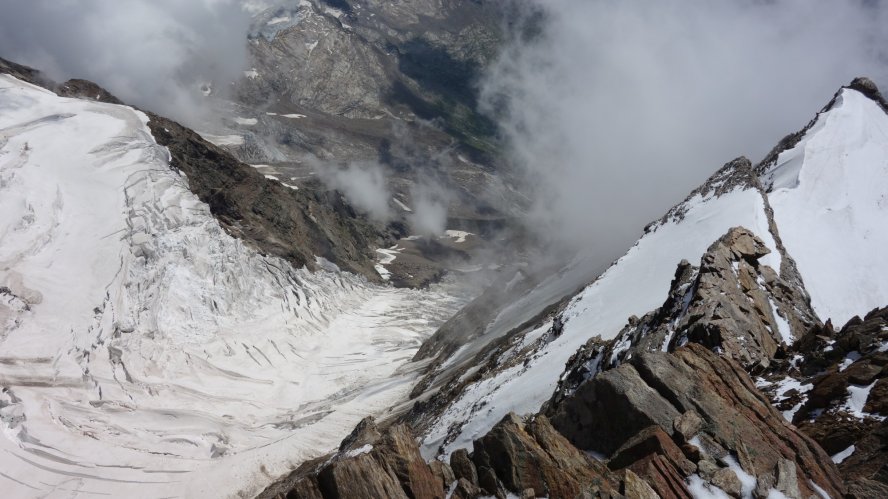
[(146, 353), (458, 236), (840, 457), (402, 205), (223, 140), (246, 121), (747, 481), (830, 204), (700, 489), (782, 325), (636, 284), (857, 397)]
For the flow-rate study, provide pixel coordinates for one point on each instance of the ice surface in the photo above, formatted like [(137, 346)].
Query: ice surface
[(223, 140), (157, 356), (831, 209)]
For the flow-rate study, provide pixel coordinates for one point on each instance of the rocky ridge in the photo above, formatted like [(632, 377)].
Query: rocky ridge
[(833, 385), (732, 386), (297, 225)]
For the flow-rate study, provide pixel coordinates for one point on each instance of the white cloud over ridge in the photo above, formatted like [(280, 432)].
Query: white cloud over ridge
[(615, 110), (152, 53)]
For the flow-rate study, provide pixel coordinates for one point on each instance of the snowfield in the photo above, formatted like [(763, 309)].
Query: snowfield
[(831, 207), (146, 353)]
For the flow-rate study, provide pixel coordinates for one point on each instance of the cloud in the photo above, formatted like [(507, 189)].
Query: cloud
[(614, 110), (430, 207), (151, 53), (363, 184)]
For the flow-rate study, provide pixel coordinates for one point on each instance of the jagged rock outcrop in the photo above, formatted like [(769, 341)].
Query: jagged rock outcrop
[(534, 457), (731, 302), (529, 458), (738, 427), (834, 386)]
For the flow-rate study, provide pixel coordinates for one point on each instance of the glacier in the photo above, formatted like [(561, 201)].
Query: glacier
[(146, 352)]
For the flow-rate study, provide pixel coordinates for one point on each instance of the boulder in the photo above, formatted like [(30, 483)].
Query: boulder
[(535, 456), (463, 467), (737, 420)]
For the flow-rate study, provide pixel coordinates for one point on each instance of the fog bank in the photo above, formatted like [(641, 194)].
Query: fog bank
[(615, 110)]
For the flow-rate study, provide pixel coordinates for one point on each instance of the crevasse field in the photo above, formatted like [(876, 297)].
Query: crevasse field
[(145, 352)]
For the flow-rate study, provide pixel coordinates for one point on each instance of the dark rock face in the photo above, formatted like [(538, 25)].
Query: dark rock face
[(294, 225), (659, 388), (24, 73), (655, 458), (86, 89), (370, 464)]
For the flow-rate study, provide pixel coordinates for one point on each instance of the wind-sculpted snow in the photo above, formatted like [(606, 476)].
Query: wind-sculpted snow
[(145, 352), (830, 202)]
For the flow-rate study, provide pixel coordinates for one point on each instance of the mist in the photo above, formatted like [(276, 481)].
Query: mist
[(155, 54), (364, 184), (430, 206), (613, 111)]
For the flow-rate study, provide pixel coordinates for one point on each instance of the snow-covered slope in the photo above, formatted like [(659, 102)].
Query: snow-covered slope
[(635, 284), (145, 352), (830, 199), (829, 196)]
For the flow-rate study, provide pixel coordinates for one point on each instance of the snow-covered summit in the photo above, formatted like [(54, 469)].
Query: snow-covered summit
[(829, 193)]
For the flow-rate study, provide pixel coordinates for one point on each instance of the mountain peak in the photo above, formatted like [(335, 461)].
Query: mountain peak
[(868, 88)]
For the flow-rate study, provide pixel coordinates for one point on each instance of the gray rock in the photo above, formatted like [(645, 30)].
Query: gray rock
[(463, 467), (727, 480), (688, 424)]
